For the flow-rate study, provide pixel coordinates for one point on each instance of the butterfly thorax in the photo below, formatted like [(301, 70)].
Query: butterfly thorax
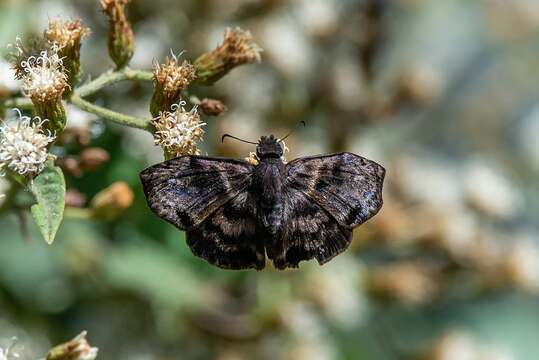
[(268, 183)]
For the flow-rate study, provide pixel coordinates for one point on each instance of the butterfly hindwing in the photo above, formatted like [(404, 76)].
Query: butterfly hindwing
[(309, 232), (347, 186), (186, 190), (230, 237)]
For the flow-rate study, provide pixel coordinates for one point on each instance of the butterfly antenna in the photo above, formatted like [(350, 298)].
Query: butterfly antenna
[(292, 131), (237, 138)]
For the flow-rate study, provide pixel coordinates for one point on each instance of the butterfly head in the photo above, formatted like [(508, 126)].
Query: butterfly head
[(269, 147)]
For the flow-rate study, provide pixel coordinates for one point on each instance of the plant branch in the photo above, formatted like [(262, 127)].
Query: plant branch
[(112, 77), (19, 103), (111, 115), (77, 213)]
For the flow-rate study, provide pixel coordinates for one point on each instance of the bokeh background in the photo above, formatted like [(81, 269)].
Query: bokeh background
[(444, 94)]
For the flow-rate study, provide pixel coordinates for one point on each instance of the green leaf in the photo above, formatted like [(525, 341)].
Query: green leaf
[(49, 189)]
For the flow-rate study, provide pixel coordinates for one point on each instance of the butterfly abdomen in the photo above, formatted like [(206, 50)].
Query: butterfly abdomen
[(268, 187)]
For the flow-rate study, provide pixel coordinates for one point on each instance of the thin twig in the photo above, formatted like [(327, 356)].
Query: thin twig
[(111, 115), (19, 103), (112, 77)]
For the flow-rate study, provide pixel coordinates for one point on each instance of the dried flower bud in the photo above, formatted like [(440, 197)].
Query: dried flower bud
[(212, 107), (408, 283), (120, 39), (68, 35), (93, 158), (76, 349), (44, 81), (112, 201), (238, 48), (71, 166), (170, 79), (78, 135), (24, 145), (177, 132), (75, 198)]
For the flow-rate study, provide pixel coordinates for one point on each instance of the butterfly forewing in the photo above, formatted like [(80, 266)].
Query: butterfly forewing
[(347, 186), (186, 190)]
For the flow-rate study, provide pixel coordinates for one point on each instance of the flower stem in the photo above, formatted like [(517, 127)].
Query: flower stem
[(111, 115), (76, 213), (112, 77), (19, 103)]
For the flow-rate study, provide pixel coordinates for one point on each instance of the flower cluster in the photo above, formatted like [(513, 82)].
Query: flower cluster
[(238, 48), (170, 79), (178, 131), (24, 145)]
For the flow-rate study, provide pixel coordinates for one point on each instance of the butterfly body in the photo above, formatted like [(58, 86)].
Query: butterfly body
[(237, 214)]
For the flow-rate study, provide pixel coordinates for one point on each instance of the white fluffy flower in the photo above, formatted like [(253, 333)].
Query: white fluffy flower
[(179, 130), (23, 145), (45, 78)]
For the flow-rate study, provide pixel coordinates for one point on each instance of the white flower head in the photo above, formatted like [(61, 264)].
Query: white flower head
[(44, 77), (23, 144), (179, 130)]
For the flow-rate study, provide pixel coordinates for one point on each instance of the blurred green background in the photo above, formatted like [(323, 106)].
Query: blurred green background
[(444, 94)]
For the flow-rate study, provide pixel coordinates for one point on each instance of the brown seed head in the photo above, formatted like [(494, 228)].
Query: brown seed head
[(68, 35), (238, 48), (170, 79)]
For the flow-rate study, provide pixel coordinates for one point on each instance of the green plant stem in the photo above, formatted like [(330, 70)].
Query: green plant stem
[(78, 213), (111, 115), (112, 77), (19, 103)]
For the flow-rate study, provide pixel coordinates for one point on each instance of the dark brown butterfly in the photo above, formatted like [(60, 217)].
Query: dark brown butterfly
[(235, 214)]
